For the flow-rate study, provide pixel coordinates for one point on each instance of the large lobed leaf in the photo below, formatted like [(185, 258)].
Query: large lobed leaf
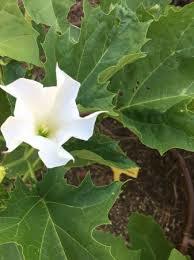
[(18, 40), (134, 4), (49, 12), (56, 220), (99, 149), (10, 251), (24, 161), (108, 5), (51, 60), (156, 90), (147, 235), (107, 42), (118, 248)]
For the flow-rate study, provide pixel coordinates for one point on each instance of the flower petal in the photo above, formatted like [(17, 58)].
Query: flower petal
[(15, 131), (29, 92), (65, 108), (50, 152), (68, 87), (32, 100), (55, 156), (49, 94), (25, 89), (81, 128), (21, 111)]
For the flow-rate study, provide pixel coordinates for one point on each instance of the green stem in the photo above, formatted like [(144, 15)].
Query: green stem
[(1, 75)]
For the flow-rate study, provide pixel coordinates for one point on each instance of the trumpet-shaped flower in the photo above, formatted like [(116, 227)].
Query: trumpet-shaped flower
[(46, 118)]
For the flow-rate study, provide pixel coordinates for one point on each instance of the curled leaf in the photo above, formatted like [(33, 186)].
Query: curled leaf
[(132, 172)]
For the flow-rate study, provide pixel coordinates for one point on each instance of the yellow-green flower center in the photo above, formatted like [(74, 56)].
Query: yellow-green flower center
[(43, 130)]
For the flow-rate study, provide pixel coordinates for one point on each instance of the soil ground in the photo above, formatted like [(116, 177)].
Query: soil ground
[(158, 191)]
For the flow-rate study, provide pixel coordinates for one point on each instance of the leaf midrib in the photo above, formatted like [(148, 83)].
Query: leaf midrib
[(63, 230), (161, 63), (41, 200), (158, 99)]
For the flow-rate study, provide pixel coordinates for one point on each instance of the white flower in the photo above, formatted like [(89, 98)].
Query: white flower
[(46, 118)]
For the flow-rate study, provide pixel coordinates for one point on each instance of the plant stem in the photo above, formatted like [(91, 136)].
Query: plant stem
[(190, 209), (1, 75)]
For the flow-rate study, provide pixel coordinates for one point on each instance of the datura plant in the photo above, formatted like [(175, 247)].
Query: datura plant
[(129, 60)]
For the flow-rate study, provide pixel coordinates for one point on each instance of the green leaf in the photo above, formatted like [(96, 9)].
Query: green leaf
[(10, 251), (99, 149), (4, 107), (151, 13), (118, 248), (108, 5), (17, 37), (50, 64), (148, 4), (10, 72), (170, 129), (49, 12), (56, 220), (176, 255), (24, 161), (106, 44), (147, 235), (155, 86), (13, 71), (10, 6)]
